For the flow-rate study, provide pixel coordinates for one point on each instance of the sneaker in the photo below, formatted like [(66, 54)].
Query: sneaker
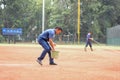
[(39, 61), (53, 64)]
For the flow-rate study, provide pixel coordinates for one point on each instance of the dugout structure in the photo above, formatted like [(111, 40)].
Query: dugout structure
[(113, 36), (11, 33)]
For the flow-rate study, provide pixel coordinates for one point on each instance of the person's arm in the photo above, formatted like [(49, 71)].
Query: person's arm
[(91, 39), (51, 44)]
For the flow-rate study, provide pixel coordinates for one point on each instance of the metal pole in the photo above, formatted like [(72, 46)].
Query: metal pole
[(43, 16), (78, 24)]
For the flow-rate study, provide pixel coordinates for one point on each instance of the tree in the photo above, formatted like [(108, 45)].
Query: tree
[(22, 13), (96, 16)]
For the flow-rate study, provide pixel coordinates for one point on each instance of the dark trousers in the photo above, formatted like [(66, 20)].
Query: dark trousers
[(47, 49), (88, 43)]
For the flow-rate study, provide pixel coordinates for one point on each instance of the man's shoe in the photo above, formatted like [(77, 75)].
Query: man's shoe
[(53, 64), (39, 61)]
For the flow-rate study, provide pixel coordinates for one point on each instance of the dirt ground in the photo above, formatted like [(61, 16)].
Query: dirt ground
[(19, 63)]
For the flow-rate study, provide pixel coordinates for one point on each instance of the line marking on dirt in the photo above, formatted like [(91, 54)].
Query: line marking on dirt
[(16, 65)]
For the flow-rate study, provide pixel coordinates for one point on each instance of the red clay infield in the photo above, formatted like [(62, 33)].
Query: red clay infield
[(19, 63)]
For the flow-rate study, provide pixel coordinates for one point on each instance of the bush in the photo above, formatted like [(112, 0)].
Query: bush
[(2, 39)]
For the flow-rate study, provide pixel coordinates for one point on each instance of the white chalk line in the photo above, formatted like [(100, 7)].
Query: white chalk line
[(15, 65)]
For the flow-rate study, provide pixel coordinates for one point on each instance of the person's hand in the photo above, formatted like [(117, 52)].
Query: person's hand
[(91, 39), (54, 44), (53, 49)]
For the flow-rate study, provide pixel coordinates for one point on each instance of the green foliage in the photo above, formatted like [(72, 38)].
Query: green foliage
[(2, 39), (103, 13), (96, 16)]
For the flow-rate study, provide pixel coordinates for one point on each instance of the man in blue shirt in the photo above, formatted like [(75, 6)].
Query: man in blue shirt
[(88, 41), (45, 39)]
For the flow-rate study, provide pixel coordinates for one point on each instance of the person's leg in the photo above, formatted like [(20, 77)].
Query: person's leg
[(46, 47), (86, 46), (43, 54), (50, 58), (90, 44)]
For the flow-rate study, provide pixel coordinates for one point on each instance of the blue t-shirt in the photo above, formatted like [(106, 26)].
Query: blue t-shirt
[(47, 34), (88, 37)]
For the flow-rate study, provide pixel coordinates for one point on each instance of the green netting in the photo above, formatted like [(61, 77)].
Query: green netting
[(113, 41), (113, 36)]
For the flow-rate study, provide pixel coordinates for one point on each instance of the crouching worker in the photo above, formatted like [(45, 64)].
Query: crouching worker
[(45, 39)]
